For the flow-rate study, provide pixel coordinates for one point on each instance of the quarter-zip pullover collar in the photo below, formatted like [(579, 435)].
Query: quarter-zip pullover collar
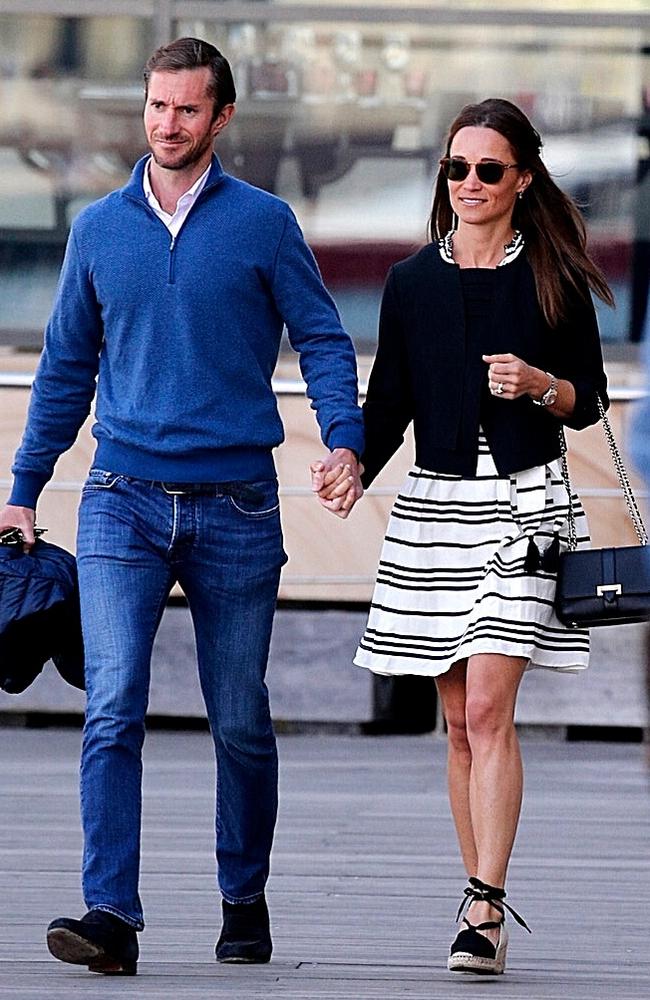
[(134, 188)]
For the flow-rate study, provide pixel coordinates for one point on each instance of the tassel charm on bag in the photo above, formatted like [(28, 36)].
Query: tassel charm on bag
[(532, 560)]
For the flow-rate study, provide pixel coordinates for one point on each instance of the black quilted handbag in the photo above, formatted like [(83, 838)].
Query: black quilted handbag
[(604, 586)]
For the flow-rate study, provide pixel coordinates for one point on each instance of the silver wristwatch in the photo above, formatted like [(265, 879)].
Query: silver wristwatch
[(550, 395)]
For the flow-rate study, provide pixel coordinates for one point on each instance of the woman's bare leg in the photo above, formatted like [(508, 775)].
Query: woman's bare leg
[(451, 690), (484, 765), (496, 777)]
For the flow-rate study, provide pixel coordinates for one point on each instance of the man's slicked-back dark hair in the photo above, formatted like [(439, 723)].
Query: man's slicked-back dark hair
[(194, 53)]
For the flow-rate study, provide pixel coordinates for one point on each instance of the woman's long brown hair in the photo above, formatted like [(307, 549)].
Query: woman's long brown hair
[(550, 221)]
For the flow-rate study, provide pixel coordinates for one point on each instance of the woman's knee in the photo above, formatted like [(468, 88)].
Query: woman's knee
[(457, 730), (452, 694), (486, 717)]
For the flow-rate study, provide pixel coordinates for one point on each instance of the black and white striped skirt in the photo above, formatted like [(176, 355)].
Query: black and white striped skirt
[(467, 567)]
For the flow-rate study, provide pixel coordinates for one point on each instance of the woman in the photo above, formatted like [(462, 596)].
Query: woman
[(488, 342)]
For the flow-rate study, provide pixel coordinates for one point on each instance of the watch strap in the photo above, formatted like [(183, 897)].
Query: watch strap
[(550, 395)]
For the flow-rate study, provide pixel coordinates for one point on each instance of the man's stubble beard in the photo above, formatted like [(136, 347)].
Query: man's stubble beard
[(188, 160)]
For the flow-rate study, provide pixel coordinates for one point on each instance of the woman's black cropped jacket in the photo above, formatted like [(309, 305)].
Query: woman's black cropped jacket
[(426, 371)]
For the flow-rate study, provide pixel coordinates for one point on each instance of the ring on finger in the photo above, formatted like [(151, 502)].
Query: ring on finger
[(498, 389)]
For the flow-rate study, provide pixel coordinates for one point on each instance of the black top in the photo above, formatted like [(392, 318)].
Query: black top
[(478, 286), (429, 369)]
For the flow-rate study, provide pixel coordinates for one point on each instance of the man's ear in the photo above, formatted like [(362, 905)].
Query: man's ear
[(222, 119)]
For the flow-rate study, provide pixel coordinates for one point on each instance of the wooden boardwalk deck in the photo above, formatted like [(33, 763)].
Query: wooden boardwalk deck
[(365, 878)]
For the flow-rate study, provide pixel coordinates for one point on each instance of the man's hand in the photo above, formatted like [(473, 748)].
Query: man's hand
[(337, 481), (23, 518)]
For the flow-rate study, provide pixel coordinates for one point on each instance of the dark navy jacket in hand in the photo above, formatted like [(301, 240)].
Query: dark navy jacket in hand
[(39, 615), (426, 372)]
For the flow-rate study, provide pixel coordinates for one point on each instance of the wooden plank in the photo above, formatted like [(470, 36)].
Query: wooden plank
[(365, 879)]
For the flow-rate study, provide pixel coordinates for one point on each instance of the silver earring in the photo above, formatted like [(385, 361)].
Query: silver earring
[(520, 195)]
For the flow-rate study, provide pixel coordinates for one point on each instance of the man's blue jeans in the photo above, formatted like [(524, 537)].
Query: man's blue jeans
[(226, 551)]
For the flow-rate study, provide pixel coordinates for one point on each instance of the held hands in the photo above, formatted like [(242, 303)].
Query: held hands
[(337, 481), (23, 518), (509, 377)]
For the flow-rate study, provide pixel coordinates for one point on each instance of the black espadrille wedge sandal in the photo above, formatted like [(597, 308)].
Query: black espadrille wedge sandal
[(472, 951)]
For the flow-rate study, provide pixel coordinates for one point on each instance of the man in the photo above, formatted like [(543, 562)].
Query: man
[(173, 293)]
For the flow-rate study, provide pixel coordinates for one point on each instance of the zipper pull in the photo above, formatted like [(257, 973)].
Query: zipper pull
[(170, 276)]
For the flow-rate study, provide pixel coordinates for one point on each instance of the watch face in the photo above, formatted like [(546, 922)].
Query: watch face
[(549, 396)]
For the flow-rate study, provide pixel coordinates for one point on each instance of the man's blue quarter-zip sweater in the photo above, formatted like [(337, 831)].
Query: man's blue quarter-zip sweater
[(183, 337)]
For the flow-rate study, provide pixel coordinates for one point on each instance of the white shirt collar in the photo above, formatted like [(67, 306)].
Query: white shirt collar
[(184, 203)]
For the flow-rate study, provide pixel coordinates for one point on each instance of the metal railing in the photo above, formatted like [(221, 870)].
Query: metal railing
[(296, 387)]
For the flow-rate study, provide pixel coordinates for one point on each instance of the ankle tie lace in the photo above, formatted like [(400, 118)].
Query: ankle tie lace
[(478, 891)]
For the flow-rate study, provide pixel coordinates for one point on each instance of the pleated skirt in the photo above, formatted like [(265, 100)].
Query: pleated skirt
[(455, 577)]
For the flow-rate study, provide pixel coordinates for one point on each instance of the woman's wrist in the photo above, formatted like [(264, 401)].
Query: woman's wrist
[(543, 382)]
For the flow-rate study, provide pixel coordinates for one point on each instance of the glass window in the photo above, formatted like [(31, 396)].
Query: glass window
[(344, 119)]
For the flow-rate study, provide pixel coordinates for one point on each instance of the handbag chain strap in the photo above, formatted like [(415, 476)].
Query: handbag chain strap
[(624, 482)]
